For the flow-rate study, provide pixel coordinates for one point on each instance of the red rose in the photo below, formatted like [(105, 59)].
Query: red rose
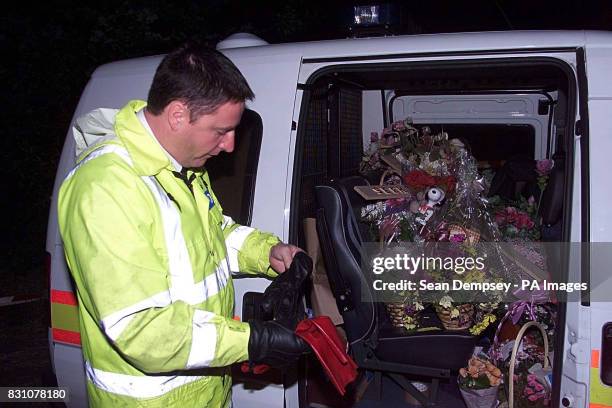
[(447, 183), (500, 218), (511, 215), (419, 180), (523, 221)]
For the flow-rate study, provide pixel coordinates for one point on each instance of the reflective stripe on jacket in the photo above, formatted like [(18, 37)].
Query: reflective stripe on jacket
[(152, 263)]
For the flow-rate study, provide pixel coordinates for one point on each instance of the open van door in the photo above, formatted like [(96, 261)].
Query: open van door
[(273, 79)]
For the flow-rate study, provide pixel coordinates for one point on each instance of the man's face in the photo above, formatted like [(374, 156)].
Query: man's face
[(209, 135)]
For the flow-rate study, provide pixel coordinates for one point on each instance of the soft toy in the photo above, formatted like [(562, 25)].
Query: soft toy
[(433, 197)]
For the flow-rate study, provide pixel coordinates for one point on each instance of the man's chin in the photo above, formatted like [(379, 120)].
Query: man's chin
[(200, 161)]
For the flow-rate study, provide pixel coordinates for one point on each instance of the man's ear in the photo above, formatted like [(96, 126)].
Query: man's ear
[(177, 115)]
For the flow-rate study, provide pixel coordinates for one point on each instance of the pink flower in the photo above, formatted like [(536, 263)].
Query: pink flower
[(459, 238), (531, 200), (511, 214), (523, 221), (517, 219), (538, 387), (528, 391), (543, 167), (533, 397), (374, 137)]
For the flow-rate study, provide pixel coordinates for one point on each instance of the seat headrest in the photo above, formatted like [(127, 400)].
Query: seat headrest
[(340, 200)]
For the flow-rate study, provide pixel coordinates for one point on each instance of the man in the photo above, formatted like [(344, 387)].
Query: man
[(151, 252)]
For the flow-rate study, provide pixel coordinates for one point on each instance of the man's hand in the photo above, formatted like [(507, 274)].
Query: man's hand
[(281, 300), (281, 256), (275, 345)]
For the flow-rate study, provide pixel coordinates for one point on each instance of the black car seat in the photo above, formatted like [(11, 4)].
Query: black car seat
[(384, 350)]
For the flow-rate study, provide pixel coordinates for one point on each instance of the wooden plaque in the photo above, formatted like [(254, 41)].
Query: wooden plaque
[(383, 192)]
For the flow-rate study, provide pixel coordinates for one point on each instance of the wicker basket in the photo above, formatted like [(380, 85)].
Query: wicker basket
[(513, 356), (397, 314), (461, 322)]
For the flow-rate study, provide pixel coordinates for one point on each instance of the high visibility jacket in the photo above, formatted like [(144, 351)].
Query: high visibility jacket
[(152, 262)]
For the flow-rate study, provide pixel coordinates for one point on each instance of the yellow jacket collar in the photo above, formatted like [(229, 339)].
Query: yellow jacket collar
[(147, 155)]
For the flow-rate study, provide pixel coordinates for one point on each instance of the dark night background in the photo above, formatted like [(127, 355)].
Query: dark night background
[(49, 49)]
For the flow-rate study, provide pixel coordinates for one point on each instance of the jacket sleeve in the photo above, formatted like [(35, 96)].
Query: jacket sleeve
[(122, 279), (248, 249)]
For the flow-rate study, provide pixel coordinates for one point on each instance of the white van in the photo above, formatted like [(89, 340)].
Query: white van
[(543, 93)]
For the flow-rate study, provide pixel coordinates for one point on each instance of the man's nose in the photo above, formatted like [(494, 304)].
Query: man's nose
[(228, 142)]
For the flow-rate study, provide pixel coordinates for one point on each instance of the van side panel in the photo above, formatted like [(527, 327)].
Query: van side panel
[(601, 227), (599, 61)]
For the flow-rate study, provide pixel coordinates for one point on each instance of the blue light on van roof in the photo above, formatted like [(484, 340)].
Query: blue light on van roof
[(366, 15)]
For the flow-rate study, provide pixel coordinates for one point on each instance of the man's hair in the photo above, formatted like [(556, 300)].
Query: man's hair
[(198, 76)]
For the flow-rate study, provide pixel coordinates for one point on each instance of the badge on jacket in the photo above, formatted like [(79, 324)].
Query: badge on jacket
[(211, 202)]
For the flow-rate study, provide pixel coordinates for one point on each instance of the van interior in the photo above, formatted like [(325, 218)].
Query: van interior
[(510, 113)]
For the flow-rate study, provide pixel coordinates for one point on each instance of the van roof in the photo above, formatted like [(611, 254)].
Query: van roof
[(404, 44)]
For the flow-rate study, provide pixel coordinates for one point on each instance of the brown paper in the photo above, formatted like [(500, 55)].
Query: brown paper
[(323, 301)]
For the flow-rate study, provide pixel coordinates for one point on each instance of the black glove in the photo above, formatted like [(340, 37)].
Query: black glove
[(273, 344), (281, 299)]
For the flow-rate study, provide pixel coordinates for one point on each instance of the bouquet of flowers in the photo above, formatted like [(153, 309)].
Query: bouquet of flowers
[(517, 219), (480, 373), (479, 383), (534, 392), (421, 161), (444, 205)]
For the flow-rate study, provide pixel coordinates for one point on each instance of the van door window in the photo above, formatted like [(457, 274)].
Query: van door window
[(492, 142), (233, 175)]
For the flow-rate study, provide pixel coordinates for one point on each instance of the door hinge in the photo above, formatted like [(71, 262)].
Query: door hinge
[(578, 128)]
